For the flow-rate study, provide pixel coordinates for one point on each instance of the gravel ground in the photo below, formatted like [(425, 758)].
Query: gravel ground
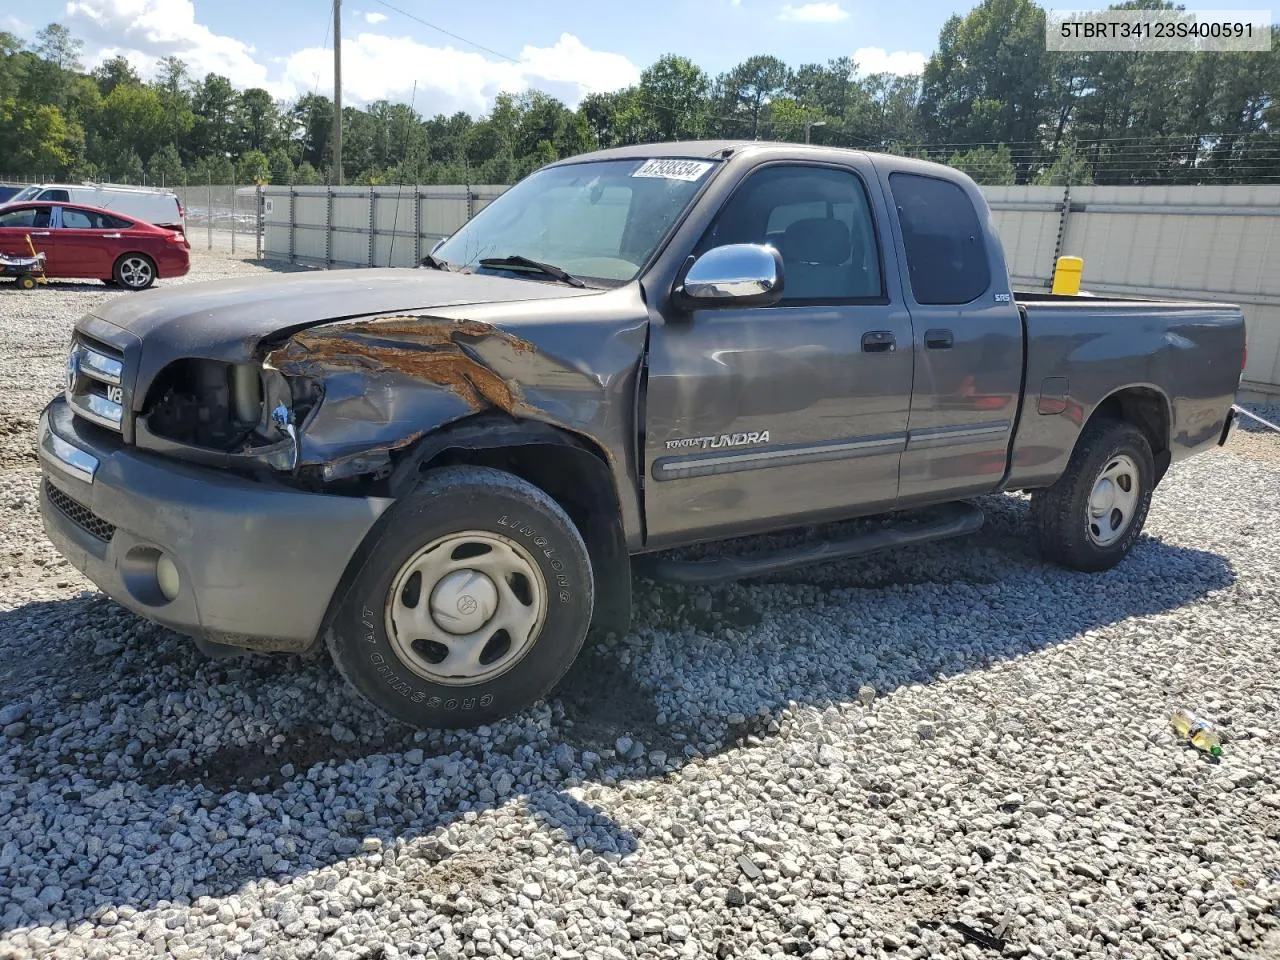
[(723, 781)]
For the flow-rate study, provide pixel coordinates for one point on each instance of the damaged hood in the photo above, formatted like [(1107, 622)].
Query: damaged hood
[(226, 319)]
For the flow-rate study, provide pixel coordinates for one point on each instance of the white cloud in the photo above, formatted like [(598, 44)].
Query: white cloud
[(879, 60), (375, 66), (374, 18), (814, 13), (143, 31)]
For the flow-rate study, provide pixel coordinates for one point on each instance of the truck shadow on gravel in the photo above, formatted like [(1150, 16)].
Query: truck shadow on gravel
[(171, 777)]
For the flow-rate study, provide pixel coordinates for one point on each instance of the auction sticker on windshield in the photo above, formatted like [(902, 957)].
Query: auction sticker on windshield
[(674, 169)]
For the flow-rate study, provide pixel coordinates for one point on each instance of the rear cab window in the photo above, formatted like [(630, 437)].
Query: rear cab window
[(60, 196), (943, 238)]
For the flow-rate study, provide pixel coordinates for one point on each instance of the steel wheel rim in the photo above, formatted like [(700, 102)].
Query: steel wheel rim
[(135, 272), (1113, 501), (466, 608)]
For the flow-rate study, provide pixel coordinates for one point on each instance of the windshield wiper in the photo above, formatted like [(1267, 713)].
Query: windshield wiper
[(434, 264), (521, 262)]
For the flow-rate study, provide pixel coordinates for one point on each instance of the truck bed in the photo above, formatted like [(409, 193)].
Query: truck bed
[(1079, 348)]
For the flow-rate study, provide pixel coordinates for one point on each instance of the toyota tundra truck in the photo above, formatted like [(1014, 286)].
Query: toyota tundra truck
[(447, 474)]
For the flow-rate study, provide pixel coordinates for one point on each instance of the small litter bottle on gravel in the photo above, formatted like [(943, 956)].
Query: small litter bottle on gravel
[(1197, 732)]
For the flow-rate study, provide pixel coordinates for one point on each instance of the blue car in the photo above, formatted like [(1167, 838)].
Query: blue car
[(7, 192)]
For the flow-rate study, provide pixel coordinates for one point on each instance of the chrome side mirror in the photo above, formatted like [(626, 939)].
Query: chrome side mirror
[(735, 275)]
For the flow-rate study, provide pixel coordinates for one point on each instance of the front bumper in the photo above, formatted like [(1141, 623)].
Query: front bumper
[(257, 564)]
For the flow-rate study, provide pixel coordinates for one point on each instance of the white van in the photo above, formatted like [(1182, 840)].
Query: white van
[(159, 207)]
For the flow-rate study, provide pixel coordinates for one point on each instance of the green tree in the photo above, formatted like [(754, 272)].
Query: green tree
[(990, 167), (123, 165), (673, 98), (989, 80), (214, 102), (12, 66), (214, 168), (281, 166), (747, 88), (57, 54), (171, 85), (115, 72), (311, 127), (134, 115), (253, 167), (825, 90), (35, 138), (1068, 168), (257, 120), (616, 119), (891, 113), (307, 175), (165, 167), (56, 45)]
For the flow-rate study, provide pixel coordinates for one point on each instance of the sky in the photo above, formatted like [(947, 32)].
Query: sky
[(448, 56)]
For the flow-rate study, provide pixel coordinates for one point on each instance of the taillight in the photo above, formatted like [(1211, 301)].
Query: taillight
[(182, 214)]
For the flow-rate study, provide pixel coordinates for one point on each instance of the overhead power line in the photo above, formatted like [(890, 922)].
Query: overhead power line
[(700, 115)]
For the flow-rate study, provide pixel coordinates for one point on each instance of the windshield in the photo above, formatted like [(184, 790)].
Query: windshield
[(598, 221), (26, 194)]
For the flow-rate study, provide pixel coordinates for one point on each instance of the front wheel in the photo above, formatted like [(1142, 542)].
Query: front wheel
[(134, 271), (473, 599), (1092, 516)]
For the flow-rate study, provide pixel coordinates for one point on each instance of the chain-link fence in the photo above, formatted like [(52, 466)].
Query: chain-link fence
[(223, 218)]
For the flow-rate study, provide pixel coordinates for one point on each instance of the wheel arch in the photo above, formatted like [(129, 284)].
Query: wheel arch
[(574, 470), (1146, 407)]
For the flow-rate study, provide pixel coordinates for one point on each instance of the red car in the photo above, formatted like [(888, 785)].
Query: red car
[(89, 242)]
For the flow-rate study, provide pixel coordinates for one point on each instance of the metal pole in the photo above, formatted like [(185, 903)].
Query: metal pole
[(233, 208), (337, 91), (208, 207)]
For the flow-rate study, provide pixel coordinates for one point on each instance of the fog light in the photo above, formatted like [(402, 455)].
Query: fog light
[(167, 577)]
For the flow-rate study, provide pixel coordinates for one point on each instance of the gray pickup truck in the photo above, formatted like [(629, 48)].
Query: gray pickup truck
[(445, 474)]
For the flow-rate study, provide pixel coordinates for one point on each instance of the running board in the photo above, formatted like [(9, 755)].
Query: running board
[(954, 520)]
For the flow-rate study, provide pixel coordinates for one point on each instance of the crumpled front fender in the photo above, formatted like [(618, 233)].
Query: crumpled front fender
[(386, 382)]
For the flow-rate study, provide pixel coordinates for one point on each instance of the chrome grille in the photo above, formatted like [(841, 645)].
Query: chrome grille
[(95, 388), (79, 514)]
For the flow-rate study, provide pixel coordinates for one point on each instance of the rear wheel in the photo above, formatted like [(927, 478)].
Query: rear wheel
[(26, 282), (472, 601), (134, 271), (1091, 518)]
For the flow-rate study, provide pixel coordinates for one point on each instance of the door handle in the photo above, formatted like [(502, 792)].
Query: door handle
[(879, 341), (111, 236), (40, 233), (938, 340)]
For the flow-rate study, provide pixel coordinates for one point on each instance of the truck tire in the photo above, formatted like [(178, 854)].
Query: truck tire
[(1092, 516), (470, 603)]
